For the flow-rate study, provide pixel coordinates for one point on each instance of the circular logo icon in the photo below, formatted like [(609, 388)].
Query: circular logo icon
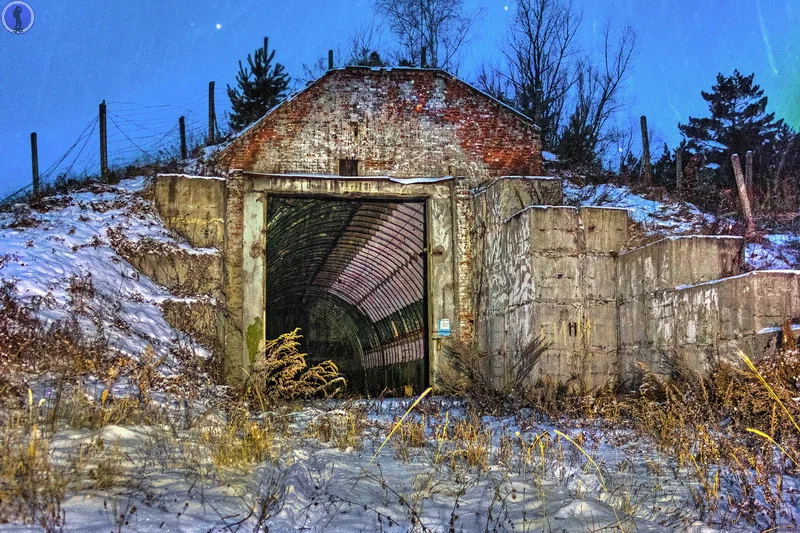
[(17, 17)]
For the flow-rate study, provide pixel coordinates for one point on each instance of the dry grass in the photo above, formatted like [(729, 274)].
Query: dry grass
[(242, 441), (467, 375), (31, 486), (410, 435), (342, 427), (728, 425), (474, 442), (281, 374)]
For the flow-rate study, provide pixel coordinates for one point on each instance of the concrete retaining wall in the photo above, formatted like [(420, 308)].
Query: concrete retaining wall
[(655, 314), (709, 322), (547, 271), (198, 318), (557, 272), (193, 207), (181, 271), (506, 259)]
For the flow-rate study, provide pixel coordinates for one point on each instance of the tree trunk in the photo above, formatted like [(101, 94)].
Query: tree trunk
[(743, 196)]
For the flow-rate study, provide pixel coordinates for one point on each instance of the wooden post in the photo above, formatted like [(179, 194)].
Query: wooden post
[(748, 173), (212, 115), (743, 197), (330, 59), (424, 59), (182, 124), (35, 164), (679, 170), (103, 143), (646, 170)]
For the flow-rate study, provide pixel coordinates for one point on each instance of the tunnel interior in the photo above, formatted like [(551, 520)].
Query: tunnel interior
[(351, 273)]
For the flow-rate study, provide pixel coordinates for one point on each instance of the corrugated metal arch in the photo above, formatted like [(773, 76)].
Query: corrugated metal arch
[(361, 263)]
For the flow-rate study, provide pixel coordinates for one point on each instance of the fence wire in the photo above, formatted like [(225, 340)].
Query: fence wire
[(137, 135)]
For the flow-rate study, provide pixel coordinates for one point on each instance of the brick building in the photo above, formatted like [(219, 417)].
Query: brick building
[(384, 210), (401, 122), (398, 134)]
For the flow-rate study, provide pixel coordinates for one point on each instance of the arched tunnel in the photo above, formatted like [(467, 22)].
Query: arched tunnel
[(352, 275)]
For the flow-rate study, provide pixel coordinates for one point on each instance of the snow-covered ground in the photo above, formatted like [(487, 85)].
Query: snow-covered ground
[(60, 260), (533, 479), (776, 251)]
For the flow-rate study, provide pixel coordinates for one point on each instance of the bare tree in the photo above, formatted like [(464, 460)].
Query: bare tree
[(570, 95), (540, 60), (584, 138), (366, 45), (363, 47), (441, 26)]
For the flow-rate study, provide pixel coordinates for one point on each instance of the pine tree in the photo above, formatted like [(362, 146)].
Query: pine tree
[(664, 168), (260, 88), (366, 58), (738, 123)]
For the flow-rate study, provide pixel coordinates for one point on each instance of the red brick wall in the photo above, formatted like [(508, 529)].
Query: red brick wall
[(400, 122)]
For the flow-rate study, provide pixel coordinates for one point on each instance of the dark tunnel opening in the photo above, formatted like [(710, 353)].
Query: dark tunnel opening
[(352, 275)]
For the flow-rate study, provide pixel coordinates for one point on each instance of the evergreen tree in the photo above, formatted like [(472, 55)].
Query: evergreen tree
[(366, 58), (578, 143), (664, 168), (738, 123), (260, 88)]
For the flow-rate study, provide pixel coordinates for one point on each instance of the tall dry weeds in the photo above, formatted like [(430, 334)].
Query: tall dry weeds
[(467, 374), (725, 427), (281, 374)]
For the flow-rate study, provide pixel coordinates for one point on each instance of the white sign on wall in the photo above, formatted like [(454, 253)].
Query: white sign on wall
[(444, 327)]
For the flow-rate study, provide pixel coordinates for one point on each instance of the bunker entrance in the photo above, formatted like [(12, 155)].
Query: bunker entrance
[(351, 274)]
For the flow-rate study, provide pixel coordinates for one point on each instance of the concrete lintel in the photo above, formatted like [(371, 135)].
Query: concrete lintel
[(345, 187)]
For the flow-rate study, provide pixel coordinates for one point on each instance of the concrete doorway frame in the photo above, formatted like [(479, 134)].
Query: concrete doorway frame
[(439, 195)]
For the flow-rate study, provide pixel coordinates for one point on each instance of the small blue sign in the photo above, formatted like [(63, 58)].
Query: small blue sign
[(444, 327), (17, 17)]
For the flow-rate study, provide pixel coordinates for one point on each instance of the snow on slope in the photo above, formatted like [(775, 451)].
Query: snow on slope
[(777, 251), (47, 250)]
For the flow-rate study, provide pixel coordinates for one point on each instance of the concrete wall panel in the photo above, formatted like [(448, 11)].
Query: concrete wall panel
[(193, 207)]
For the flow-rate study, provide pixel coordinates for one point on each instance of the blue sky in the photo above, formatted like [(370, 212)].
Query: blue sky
[(165, 53)]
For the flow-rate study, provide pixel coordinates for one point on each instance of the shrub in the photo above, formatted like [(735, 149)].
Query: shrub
[(281, 373), (467, 374)]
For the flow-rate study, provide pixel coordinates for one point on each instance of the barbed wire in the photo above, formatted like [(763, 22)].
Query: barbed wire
[(138, 134)]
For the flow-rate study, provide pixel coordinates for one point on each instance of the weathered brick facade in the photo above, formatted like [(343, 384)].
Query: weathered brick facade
[(397, 122)]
